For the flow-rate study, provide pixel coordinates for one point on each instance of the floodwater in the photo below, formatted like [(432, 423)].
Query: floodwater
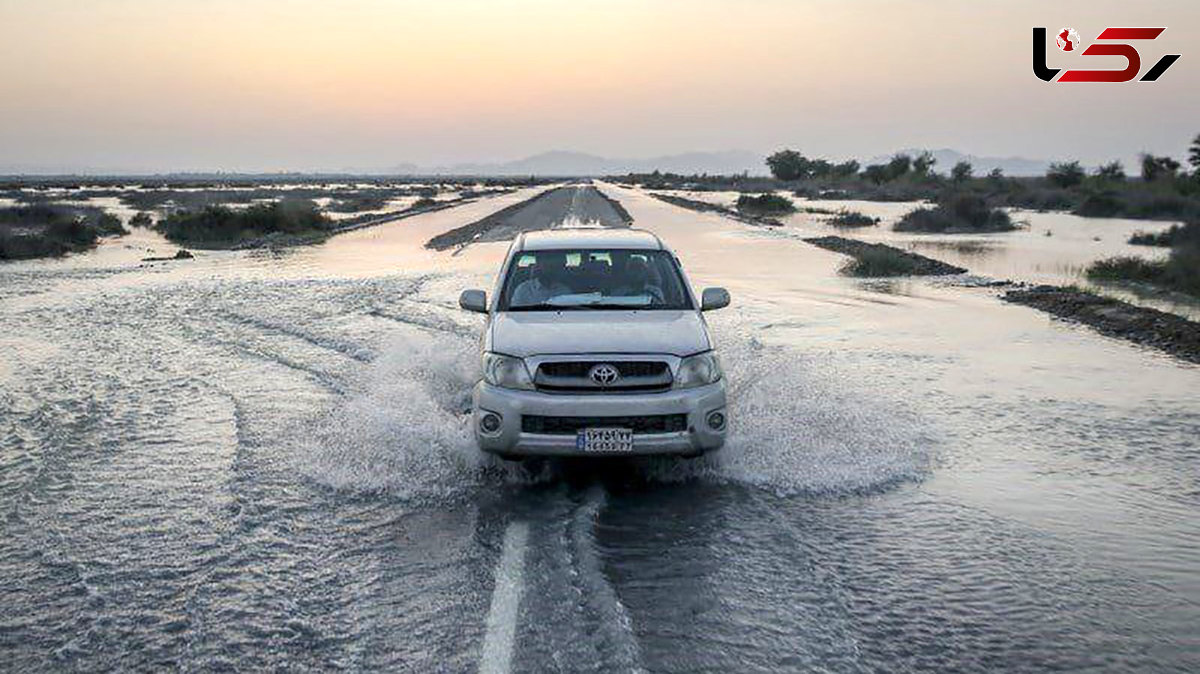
[(261, 461), (1049, 247)]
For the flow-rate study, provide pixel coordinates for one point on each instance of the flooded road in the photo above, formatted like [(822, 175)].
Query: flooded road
[(261, 460)]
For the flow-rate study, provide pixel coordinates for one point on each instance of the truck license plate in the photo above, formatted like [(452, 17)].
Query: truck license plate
[(605, 440)]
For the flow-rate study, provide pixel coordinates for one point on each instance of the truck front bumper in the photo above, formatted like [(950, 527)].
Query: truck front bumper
[(697, 436)]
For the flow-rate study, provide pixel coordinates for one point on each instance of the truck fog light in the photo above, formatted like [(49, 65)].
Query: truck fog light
[(489, 422), (716, 420)]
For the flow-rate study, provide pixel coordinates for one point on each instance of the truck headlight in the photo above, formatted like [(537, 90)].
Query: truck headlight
[(698, 370), (506, 371)]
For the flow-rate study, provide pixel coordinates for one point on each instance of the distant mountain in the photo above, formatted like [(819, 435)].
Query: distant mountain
[(564, 163), (947, 158)]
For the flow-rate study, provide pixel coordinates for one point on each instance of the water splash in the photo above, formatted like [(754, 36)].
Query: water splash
[(797, 425), (405, 429)]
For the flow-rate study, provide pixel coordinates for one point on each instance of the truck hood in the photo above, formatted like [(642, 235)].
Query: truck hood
[(540, 333)]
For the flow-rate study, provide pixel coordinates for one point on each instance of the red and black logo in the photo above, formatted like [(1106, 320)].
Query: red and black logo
[(1068, 41)]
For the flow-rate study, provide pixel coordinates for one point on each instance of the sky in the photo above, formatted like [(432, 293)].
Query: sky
[(268, 85)]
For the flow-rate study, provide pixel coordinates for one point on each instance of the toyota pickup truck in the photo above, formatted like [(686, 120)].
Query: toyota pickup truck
[(596, 345)]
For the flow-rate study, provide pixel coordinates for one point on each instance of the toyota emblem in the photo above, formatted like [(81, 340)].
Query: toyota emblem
[(604, 374)]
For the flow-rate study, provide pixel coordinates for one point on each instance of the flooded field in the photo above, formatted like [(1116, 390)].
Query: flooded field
[(261, 460), (1050, 247)]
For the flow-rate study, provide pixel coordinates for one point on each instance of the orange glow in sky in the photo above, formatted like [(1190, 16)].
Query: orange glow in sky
[(300, 84)]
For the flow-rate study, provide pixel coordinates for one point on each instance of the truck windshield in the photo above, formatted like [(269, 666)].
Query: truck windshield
[(569, 280)]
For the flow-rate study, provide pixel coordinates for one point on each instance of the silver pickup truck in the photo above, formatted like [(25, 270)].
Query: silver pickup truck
[(595, 345)]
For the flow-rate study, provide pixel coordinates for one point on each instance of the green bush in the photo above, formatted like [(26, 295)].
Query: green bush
[(1125, 268), (1100, 205), (853, 219), (220, 225), (1065, 174), (956, 212), (880, 262), (45, 230), (1176, 235), (1179, 272), (765, 204), (1182, 270), (109, 224)]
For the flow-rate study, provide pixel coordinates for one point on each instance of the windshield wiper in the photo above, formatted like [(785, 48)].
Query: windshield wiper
[(545, 306), (614, 305)]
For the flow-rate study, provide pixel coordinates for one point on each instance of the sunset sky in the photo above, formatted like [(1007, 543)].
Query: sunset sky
[(306, 84)]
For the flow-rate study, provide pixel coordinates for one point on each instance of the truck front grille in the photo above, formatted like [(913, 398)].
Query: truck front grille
[(641, 425), (572, 376)]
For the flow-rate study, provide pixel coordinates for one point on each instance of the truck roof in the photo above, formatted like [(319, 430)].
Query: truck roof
[(589, 237)]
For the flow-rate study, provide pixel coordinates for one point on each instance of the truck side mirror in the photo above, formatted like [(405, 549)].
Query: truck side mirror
[(713, 299), (473, 300)]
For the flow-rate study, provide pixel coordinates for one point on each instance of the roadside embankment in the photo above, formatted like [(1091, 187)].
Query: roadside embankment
[(877, 259), (1149, 327), (708, 207)]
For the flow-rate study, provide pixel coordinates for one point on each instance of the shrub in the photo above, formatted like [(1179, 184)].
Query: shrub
[(1182, 270), (876, 173), (1176, 235), (898, 166), (142, 219), (1065, 174), (1100, 205), (765, 204), (956, 213), (1113, 171), (358, 202), (222, 225), (788, 165), (923, 164), (107, 224), (845, 169), (48, 230), (1125, 269), (880, 262), (853, 219), (961, 172), (1155, 168)]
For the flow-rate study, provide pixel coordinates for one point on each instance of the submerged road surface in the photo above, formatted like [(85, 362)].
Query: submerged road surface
[(261, 461), (567, 206)]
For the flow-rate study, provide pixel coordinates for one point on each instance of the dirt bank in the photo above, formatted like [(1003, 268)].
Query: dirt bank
[(909, 264), (708, 207), (557, 207), (1149, 327)]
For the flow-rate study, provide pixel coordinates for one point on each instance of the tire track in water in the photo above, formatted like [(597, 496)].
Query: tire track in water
[(619, 647), (433, 325), (569, 590), (324, 379), (349, 350)]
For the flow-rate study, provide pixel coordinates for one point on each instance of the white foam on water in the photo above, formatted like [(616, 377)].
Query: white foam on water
[(797, 425), (405, 430)]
